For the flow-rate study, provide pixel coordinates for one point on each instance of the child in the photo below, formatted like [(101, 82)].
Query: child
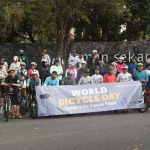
[(113, 65), (97, 78), (33, 67), (102, 69), (72, 70), (120, 64)]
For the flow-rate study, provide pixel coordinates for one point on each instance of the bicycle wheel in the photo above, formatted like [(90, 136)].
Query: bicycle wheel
[(33, 110), (7, 110), (23, 108), (144, 109)]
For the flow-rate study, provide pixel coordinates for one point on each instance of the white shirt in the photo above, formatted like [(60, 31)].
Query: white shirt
[(124, 77), (3, 72), (79, 60), (6, 64), (97, 78), (16, 66), (148, 72), (85, 80), (73, 59)]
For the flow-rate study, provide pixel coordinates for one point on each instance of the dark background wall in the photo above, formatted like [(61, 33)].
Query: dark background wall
[(33, 51)]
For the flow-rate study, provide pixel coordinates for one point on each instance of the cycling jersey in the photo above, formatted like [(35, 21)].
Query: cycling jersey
[(85, 80), (119, 67), (97, 79), (21, 73), (50, 82), (68, 81), (73, 71), (124, 77), (132, 67), (73, 59), (33, 82), (148, 83)]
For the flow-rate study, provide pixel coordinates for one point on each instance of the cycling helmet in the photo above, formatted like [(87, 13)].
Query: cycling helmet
[(121, 58), (23, 63), (45, 60), (69, 73), (83, 62), (124, 67), (134, 58), (21, 51), (33, 63), (110, 68), (86, 71), (34, 72), (94, 51), (101, 63), (56, 61), (58, 53), (113, 63), (72, 63), (15, 58), (140, 64)]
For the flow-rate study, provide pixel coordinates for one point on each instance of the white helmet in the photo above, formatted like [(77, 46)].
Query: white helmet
[(34, 72), (114, 63), (23, 63), (83, 62), (72, 63), (33, 63), (121, 58), (94, 51), (124, 67)]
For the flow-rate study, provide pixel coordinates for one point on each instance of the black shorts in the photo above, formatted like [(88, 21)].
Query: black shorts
[(15, 99)]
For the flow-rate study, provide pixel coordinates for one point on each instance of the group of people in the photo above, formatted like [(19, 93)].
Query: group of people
[(78, 72)]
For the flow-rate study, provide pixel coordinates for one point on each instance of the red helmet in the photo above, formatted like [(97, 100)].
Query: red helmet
[(15, 58)]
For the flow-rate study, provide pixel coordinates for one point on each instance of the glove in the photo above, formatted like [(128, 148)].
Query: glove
[(9, 85)]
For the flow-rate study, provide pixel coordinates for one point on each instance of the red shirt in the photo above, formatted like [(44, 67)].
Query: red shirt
[(109, 78)]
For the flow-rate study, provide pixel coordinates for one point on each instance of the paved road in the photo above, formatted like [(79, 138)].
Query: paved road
[(130, 131)]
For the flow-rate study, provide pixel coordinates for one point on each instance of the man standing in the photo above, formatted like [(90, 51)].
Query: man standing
[(73, 57), (5, 62), (53, 80), (22, 57), (57, 68), (15, 64), (133, 65), (13, 83), (109, 77), (79, 60), (46, 56), (61, 61)]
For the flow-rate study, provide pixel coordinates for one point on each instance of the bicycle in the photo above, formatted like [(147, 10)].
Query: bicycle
[(33, 107), (7, 103)]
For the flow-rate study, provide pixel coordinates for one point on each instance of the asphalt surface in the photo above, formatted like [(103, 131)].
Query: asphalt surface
[(109, 131)]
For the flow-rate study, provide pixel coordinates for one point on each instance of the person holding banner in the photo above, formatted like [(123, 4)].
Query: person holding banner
[(85, 79), (97, 78), (109, 77), (53, 80), (124, 76), (68, 80)]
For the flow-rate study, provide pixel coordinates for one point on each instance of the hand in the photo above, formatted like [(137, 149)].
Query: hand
[(9, 85)]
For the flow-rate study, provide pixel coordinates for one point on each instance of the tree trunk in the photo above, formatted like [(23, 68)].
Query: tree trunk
[(129, 31), (104, 34)]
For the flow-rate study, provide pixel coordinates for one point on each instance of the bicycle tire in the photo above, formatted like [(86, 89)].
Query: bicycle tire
[(144, 109), (23, 110), (34, 113), (7, 111)]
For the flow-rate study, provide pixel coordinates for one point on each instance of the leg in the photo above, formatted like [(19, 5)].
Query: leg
[(17, 110), (13, 109)]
